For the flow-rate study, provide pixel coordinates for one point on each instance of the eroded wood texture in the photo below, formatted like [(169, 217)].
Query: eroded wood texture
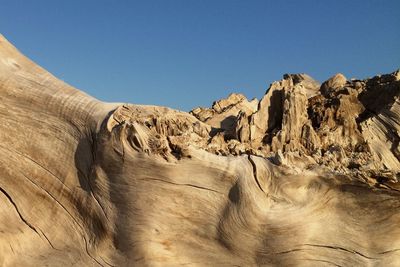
[(86, 183)]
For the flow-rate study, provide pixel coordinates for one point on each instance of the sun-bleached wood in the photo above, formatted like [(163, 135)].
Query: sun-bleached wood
[(87, 183)]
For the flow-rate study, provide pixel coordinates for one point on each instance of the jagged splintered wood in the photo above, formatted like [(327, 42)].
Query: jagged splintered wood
[(307, 176)]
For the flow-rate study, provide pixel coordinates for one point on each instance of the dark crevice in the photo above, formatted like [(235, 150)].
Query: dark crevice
[(342, 249), (52, 197), (88, 253), (176, 151), (227, 107), (109, 264), (191, 185), (59, 203), (253, 164), (365, 115), (290, 251), (48, 240), (388, 186), (389, 251), (17, 210), (336, 248), (276, 108), (36, 163), (24, 220)]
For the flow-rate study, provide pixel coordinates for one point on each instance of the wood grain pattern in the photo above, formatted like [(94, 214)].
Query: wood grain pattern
[(87, 183)]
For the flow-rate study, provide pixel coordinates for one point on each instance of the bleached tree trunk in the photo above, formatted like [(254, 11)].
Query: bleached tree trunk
[(87, 183)]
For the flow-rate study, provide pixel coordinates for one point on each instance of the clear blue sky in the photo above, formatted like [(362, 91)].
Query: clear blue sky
[(188, 53)]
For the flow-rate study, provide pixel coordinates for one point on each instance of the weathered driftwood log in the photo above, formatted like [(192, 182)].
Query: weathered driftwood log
[(305, 177)]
